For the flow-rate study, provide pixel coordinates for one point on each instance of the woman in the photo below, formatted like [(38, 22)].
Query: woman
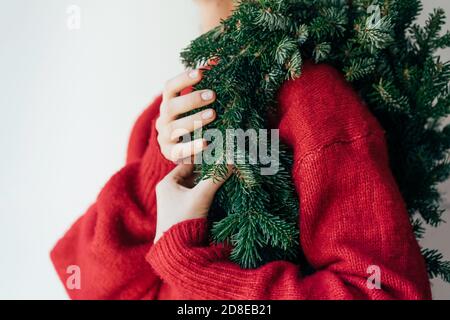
[(145, 237)]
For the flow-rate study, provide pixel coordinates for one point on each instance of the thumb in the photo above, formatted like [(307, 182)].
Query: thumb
[(210, 186), (181, 171)]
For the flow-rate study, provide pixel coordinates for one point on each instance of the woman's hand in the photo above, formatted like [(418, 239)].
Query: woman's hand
[(178, 201), (171, 128)]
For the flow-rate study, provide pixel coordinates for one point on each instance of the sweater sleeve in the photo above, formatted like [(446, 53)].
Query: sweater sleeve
[(353, 225), (108, 244)]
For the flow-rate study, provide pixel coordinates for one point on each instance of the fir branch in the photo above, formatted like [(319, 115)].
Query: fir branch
[(436, 265), (271, 21), (321, 51), (359, 68), (376, 34), (388, 96), (285, 49), (418, 229)]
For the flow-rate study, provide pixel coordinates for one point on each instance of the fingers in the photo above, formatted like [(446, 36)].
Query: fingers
[(181, 171), (183, 104), (182, 151), (205, 189), (180, 82), (190, 123), (170, 128), (209, 187)]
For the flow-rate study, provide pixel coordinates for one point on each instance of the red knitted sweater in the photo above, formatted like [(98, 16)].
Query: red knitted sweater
[(352, 216)]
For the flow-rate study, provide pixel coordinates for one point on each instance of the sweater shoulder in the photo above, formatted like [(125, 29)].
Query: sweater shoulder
[(140, 134), (320, 108)]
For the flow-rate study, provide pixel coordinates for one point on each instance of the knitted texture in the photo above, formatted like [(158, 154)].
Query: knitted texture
[(352, 216)]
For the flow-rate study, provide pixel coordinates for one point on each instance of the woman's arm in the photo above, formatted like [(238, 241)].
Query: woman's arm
[(109, 242)]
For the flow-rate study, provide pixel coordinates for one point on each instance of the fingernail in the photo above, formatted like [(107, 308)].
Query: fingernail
[(208, 114), (193, 74), (207, 95)]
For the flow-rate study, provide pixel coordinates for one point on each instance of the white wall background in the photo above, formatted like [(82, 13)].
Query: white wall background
[(68, 100)]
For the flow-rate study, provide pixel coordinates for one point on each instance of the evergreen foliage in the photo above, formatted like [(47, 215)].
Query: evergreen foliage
[(391, 62)]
